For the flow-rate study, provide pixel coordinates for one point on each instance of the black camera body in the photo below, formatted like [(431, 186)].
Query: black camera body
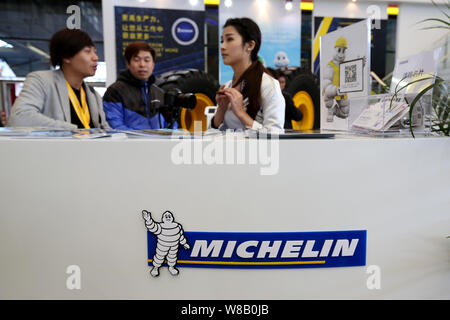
[(172, 103), (175, 99)]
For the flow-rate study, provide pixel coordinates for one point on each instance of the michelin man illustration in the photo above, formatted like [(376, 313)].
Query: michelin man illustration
[(336, 103), (281, 59), (169, 236)]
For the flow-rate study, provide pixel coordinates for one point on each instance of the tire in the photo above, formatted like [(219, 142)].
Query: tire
[(303, 86), (203, 85)]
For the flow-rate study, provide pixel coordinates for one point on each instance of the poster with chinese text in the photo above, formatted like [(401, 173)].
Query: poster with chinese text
[(176, 36)]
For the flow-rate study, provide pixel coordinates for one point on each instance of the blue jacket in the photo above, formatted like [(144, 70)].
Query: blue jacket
[(128, 103)]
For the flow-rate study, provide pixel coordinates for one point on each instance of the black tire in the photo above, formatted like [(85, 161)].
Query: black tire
[(191, 81), (301, 79)]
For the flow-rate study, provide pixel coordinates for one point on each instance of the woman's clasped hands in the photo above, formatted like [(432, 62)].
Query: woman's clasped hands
[(230, 97)]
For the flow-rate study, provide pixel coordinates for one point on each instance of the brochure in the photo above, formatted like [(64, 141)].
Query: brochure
[(46, 133), (382, 115)]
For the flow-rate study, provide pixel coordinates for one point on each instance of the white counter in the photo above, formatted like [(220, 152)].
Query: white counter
[(68, 202)]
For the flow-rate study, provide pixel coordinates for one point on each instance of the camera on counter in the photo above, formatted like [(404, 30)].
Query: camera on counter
[(174, 100)]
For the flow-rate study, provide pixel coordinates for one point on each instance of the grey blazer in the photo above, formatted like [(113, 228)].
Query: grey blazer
[(44, 102)]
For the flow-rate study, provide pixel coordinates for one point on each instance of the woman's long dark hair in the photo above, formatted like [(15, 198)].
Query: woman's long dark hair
[(252, 77)]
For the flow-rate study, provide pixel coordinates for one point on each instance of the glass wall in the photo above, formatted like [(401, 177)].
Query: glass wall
[(212, 40), (26, 27), (306, 44)]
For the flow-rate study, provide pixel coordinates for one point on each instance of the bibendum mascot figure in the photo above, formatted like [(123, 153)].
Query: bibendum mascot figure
[(281, 59), (169, 236), (336, 103)]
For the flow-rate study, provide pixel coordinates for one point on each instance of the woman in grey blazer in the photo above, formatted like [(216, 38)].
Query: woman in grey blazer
[(44, 100)]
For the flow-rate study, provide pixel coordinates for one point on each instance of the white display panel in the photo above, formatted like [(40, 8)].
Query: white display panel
[(349, 46)]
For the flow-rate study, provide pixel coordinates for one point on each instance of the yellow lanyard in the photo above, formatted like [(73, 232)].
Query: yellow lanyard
[(82, 112)]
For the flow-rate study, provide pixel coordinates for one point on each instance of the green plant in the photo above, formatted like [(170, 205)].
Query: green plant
[(440, 122), (441, 108), (442, 24)]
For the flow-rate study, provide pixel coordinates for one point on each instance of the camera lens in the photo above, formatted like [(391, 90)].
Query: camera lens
[(187, 100)]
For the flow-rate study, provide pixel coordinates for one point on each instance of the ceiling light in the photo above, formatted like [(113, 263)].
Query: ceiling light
[(262, 2), (4, 44), (288, 5), (38, 51)]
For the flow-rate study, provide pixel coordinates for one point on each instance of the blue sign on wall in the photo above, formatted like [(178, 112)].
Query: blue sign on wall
[(268, 250)]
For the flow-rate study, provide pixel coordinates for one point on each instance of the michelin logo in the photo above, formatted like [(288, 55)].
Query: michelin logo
[(276, 250), (273, 249), (318, 249)]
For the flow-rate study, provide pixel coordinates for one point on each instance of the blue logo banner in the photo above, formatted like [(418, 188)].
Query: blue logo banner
[(322, 249)]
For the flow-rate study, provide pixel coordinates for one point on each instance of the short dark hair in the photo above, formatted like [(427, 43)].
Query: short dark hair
[(66, 43), (133, 49), (279, 75)]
